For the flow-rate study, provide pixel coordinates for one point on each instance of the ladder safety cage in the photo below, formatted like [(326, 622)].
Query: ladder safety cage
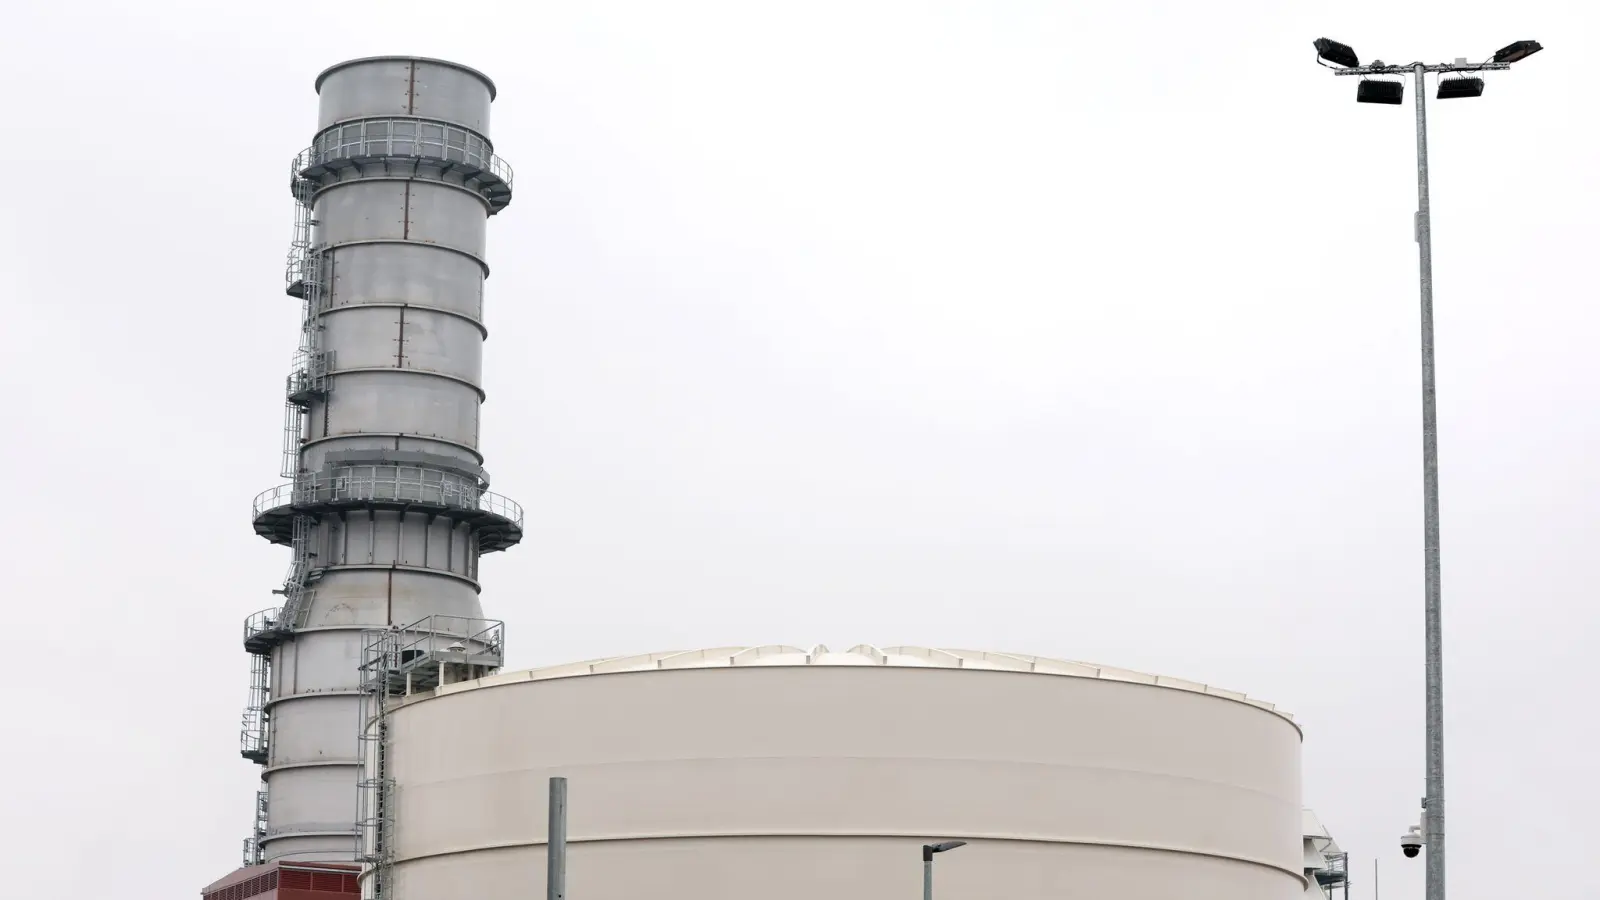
[(307, 277), (254, 850), (307, 379), (395, 662), (294, 431), (253, 725)]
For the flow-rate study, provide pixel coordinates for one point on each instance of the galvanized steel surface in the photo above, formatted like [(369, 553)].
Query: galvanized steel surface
[(389, 510)]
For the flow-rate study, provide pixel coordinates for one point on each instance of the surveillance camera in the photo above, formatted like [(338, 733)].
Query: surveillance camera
[(1411, 842)]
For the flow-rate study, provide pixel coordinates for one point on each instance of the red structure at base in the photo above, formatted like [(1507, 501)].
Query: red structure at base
[(288, 881)]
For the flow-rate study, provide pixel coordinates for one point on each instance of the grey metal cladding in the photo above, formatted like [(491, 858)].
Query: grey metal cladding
[(388, 512), (319, 453), (407, 86), (401, 273), (405, 337), (418, 212), (400, 400)]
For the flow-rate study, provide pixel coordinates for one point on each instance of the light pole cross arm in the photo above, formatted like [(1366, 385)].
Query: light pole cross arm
[(1410, 69)]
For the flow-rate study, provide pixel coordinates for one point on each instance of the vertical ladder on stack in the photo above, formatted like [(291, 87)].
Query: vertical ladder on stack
[(306, 278), (254, 851), (395, 662), (253, 728), (294, 430), (380, 656)]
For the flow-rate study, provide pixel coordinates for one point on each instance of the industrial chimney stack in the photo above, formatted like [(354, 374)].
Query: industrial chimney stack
[(388, 508)]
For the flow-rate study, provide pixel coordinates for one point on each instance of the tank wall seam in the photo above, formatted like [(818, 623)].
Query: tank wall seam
[(874, 835)]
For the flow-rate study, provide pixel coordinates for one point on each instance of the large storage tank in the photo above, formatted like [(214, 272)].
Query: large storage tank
[(776, 772)]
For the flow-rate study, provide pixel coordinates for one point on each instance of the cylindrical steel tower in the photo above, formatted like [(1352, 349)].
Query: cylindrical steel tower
[(389, 508)]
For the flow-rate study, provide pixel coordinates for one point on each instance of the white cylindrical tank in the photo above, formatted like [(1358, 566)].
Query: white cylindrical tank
[(778, 773)]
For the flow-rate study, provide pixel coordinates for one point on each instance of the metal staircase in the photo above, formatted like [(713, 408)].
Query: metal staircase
[(303, 574)]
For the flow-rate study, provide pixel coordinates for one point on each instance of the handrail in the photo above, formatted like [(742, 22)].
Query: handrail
[(387, 483), (401, 647), (406, 137), (263, 622), (274, 498), (434, 633)]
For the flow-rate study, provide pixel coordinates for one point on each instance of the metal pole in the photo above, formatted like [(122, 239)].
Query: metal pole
[(927, 877), (1433, 812), (556, 842)]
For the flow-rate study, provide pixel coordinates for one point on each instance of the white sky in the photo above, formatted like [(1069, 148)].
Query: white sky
[(1084, 333)]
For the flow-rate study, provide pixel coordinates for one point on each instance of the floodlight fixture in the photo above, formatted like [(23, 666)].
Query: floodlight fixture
[(1517, 52), (1390, 93), (1337, 53), (1456, 88)]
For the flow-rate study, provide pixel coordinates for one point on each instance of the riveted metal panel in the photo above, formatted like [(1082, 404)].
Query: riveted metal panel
[(404, 337), (378, 88), (289, 848), (362, 211), (370, 595), (317, 652), (434, 342), (310, 726), (447, 217), (447, 93), (376, 446), (401, 86), (312, 798), (405, 402), (400, 273), (365, 338), (418, 594), (417, 212)]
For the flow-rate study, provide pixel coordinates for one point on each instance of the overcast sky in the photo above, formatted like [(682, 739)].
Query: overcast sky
[(1082, 330)]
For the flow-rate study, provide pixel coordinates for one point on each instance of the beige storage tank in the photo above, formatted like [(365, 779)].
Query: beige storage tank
[(780, 773)]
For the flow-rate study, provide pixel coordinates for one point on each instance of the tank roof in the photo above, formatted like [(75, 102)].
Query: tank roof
[(859, 655), (488, 82)]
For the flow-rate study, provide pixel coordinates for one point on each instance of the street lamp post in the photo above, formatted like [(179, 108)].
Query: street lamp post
[(1345, 62), (928, 850), (555, 857)]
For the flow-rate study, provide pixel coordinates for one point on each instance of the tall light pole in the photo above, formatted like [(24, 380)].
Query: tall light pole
[(928, 850), (1345, 62)]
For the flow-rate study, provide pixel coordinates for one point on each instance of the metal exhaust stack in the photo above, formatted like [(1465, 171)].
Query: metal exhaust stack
[(388, 509)]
